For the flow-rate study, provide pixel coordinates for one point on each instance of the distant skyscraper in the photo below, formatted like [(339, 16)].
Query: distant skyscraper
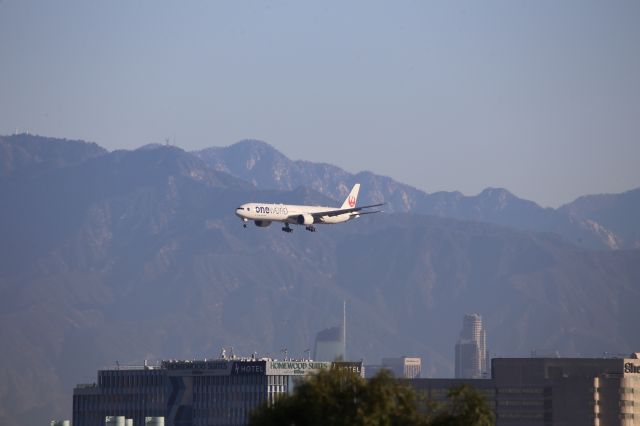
[(471, 349), (467, 360), (331, 343)]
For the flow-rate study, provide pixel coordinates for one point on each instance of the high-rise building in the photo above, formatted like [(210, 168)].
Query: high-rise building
[(467, 360), (331, 343), (471, 349)]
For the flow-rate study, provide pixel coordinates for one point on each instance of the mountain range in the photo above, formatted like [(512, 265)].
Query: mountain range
[(587, 222), (133, 255)]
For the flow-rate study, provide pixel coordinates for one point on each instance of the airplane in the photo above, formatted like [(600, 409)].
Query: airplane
[(262, 214)]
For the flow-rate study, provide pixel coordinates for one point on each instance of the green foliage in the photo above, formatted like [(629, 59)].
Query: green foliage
[(466, 407), (340, 397)]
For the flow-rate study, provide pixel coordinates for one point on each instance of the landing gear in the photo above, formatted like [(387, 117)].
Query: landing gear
[(311, 228), (287, 228), (244, 223)]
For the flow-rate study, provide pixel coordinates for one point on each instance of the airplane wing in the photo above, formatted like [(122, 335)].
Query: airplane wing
[(371, 212), (338, 212)]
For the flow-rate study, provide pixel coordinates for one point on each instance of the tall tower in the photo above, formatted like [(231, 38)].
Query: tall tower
[(344, 329), (471, 349)]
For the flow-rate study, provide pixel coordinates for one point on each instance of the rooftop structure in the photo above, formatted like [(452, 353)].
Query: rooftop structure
[(200, 392)]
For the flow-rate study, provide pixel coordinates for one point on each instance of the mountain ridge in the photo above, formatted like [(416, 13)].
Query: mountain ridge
[(611, 211), (135, 255), (267, 168), (31, 154)]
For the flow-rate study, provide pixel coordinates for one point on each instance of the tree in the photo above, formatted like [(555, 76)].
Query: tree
[(340, 397), (466, 407)]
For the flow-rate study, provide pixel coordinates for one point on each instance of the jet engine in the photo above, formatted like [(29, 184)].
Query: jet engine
[(262, 223), (305, 219)]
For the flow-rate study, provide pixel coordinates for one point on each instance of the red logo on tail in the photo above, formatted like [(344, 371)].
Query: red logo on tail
[(352, 201)]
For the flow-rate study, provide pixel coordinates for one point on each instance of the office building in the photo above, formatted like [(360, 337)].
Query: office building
[(554, 391), (403, 367), (471, 349), (198, 393), (567, 391)]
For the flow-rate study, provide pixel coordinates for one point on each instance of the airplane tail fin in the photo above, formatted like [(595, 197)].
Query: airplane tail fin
[(351, 200)]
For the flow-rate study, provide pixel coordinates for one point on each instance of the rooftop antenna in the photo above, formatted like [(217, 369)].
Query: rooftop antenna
[(223, 354), (344, 329)]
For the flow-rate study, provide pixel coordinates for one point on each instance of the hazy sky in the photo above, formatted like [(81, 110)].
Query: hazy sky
[(539, 97)]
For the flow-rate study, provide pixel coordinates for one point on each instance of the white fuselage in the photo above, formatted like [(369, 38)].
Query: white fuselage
[(288, 213)]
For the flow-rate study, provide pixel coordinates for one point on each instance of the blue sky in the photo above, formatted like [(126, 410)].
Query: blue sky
[(539, 97)]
